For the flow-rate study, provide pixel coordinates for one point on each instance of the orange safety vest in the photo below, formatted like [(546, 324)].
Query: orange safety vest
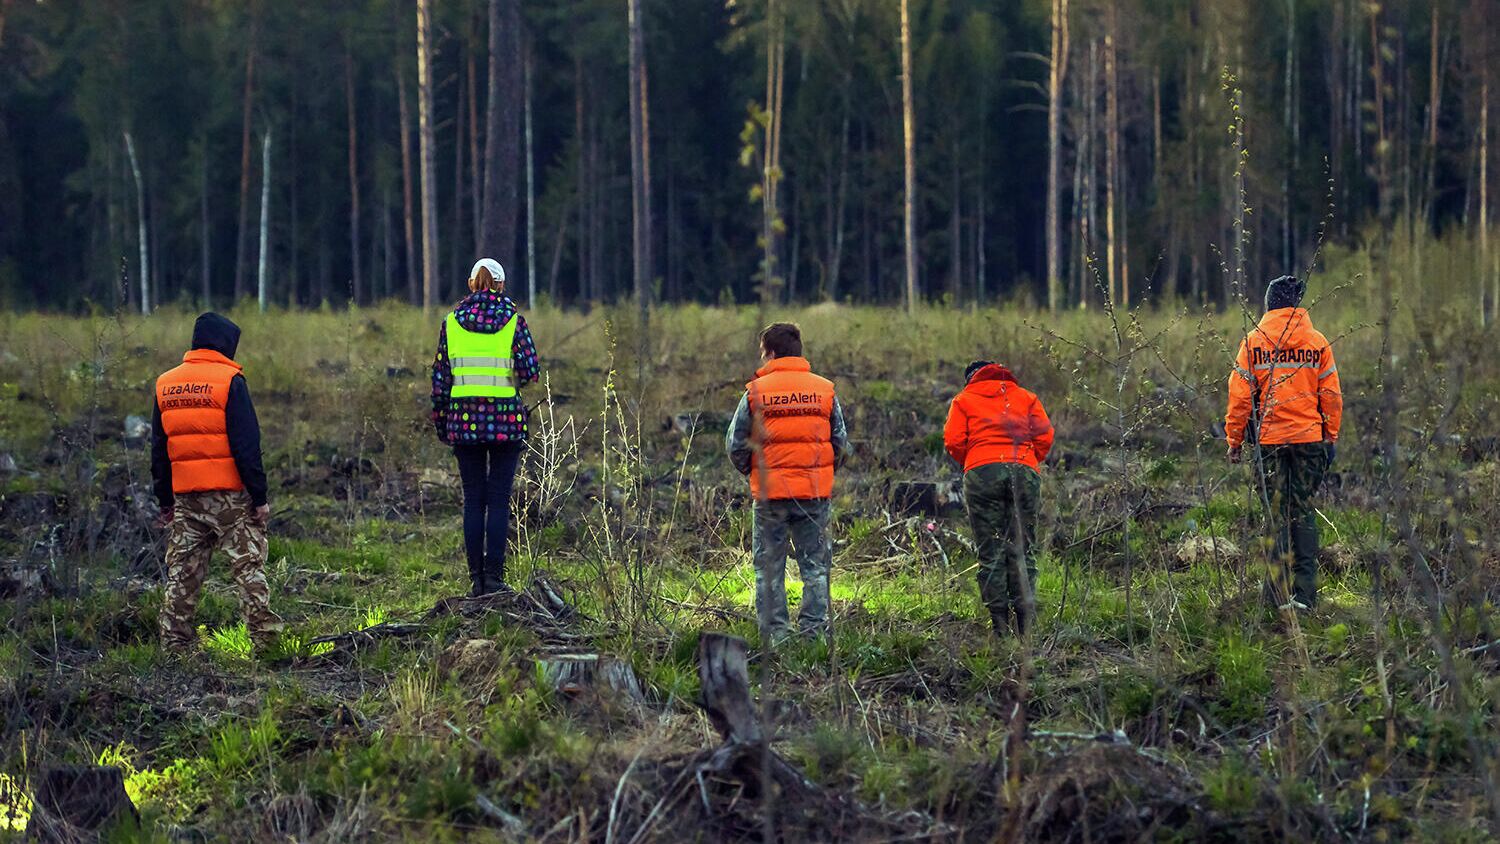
[(792, 434), (192, 398)]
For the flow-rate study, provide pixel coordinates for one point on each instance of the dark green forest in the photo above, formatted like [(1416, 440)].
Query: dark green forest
[(1197, 143)]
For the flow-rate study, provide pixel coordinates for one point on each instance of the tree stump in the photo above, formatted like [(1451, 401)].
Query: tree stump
[(724, 676), (83, 797), (576, 674), (914, 498)]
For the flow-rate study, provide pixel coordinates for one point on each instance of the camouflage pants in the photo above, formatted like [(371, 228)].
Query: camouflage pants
[(1002, 500), (782, 526), (202, 522), (1292, 475)]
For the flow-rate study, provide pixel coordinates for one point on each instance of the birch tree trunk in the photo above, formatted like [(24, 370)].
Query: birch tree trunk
[(408, 214), (261, 279), (502, 133), (357, 280), (908, 144), (1112, 155), (249, 96), (205, 240), (140, 224), (771, 223), (1057, 72), (428, 153)]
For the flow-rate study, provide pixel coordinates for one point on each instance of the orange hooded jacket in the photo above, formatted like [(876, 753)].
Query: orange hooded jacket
[(994, 420), (1285, 384)]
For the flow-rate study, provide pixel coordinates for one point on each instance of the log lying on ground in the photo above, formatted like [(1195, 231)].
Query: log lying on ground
[(579, 674), (541, 608), (75, 799), (370, 635)]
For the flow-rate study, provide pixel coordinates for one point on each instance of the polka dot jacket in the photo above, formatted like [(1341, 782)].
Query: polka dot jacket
[(464, 421)]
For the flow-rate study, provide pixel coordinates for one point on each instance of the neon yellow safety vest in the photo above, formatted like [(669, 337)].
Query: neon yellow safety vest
[(478, 368)]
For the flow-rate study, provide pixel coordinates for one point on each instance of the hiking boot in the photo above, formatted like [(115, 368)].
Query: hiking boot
[(1296, 606), (492, 579), (476, 579), (1000, 623)]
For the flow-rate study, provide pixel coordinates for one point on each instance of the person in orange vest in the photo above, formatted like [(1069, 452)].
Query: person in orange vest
[(209, 483), (1285, 399), (787, 436), (999, 433)]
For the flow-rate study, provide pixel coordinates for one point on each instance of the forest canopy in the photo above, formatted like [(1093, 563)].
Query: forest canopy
[(163, 132)]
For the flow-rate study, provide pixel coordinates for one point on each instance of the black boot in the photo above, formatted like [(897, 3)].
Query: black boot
[(476, 578), (1000, 623), (494, 575)]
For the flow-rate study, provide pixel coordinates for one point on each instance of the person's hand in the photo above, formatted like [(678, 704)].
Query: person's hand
[(1331, 450), (261, 515), (1235, 453), (164, 518)]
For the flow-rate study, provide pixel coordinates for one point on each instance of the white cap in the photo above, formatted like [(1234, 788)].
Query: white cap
[(497, 272)]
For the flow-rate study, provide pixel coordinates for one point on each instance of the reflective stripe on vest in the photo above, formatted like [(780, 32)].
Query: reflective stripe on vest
[(477, 370)]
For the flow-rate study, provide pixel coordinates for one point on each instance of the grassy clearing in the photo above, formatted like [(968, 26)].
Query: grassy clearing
[(1346, 725)]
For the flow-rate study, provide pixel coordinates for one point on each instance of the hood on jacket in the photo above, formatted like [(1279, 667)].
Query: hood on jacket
[(216, 333), (484, 312), (990, 372), (1279, 325), (1284, 292)]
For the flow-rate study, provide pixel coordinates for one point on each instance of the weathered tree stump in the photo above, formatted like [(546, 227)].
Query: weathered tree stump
[(80, 797), (581, 673), (914, 498), (724, 677)]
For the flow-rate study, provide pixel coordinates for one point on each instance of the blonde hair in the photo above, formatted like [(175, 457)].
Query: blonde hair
[(485, 277)]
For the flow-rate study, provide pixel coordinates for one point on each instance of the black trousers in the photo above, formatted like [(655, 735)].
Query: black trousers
[(488, 471)]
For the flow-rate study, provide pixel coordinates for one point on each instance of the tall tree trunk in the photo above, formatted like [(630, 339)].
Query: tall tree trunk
[(909, 143), (771, 223), (1112, 156), (205, 227), (357, 280), (841, 198), (1088, 273), (640, 173), (1057, 72), (502, 133), (261, 277), (530, 189), (584, 201), (457, 265), (140, 224), (476, 164), (407, 212), (1434, 108), (1484, 195), (247, 100), (955, 229), (1382, 148), (1288, 106), (428, 153)]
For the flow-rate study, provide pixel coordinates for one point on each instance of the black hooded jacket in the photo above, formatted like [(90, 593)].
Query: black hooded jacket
[(217, 333)]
